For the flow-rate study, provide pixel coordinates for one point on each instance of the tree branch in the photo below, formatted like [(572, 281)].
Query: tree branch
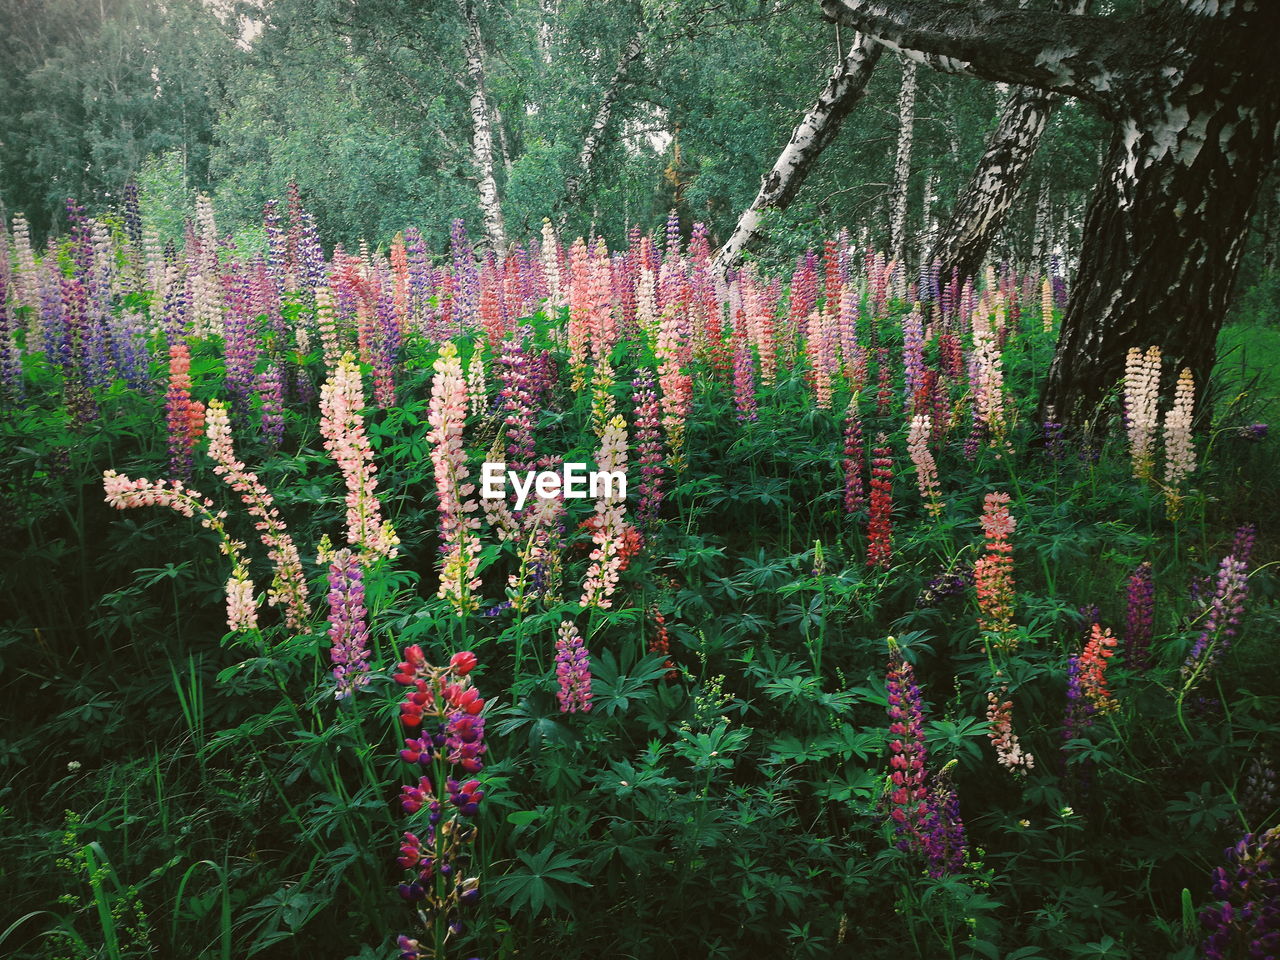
[(1075, 54)]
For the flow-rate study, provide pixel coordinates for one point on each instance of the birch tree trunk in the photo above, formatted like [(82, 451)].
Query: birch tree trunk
[(985, 201), (1193, 88), (482, 134), (585, 168), (815, 132), (902, 174)]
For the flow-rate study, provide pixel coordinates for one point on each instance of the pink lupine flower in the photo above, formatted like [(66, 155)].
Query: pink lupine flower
[(1141, 397), (922, 457), (1009, 750), (573, 670), (458, 523), (608, 532), (289, 586), (342, 426), (993, 573), (854, 460), (242, 609)]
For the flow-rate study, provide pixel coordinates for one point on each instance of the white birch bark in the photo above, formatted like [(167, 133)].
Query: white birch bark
[(902, 172), (482, 134), (815, 131)]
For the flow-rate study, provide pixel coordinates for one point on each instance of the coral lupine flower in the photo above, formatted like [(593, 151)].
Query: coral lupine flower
[(342, 426), (993, 573), (1092, 664), (348, 626), (1141, 395), (606, 558), (573, 670), (880, 523), (907, 795), (289, 587), (1139, 617), (184, 416), (458, 523), (1009, 750), (1245, 921)]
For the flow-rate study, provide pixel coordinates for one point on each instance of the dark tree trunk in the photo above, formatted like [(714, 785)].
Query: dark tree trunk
[(1163, 238), (985, 201), (1194, 90)]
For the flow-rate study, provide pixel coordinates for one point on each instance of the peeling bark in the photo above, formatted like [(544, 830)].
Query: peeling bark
[(1194, 90), (585, 169), (846, 86), (482, 134)]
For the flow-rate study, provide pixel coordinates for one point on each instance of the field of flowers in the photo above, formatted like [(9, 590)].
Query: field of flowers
[(867, 660)]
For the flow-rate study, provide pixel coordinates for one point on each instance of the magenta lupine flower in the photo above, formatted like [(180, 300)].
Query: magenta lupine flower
[(648, 449), (1221, 620), (270, 387), (348, 627), (573, 670), (907, 795), (913, 356), (1245, 921), (854, 459), (1139, 617)]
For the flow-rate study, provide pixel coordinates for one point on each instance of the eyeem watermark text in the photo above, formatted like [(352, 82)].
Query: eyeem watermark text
[(574, 481)]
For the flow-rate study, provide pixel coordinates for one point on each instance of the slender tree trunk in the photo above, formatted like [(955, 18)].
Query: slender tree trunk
[(482, 135), (1193, 88), (1042, 239), (815, 132), (581, 177), (902, 172)]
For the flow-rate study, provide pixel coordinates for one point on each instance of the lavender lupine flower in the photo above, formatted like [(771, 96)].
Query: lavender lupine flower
[(949, 583), (1245, 922), (1242, 545), (466, 282), (744, 387), (1256, 432), (1222, 619), (240, 339), (1139, 617), (573, 670), (1054, 437), (348, 627), (1260, 789)]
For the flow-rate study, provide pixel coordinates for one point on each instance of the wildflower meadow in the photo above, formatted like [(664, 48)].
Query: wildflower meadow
[(867, 657)]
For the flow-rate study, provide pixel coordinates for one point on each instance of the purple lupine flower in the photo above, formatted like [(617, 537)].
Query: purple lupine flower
[(1222, 619), (277, 244), (1260, 790), (573, 670), (1242, 545), (517, 402), (129, 346), (1139, 613), (1054, 437), (132, 213), (240, 338), (464, 740), (270, 389), (949, 583), (854, 459), (1245, 922), (1257, 432), (421, 280), (912, 354), (348, 627), (945, 844), (465, 796)]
